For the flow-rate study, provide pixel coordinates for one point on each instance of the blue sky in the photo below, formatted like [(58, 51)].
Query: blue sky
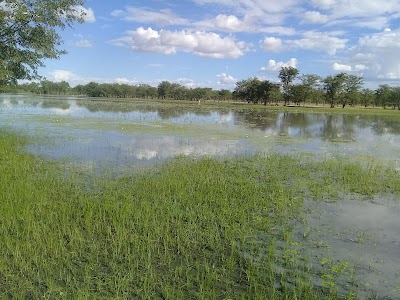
[(215, 43)]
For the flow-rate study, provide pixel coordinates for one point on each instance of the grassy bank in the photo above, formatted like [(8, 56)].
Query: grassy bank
[(234, 105), (203, 229)]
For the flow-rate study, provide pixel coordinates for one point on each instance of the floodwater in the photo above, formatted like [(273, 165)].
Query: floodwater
[(96, 134), (365, 233)]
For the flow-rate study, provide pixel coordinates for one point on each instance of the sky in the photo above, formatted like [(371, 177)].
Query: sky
[(215, 43)]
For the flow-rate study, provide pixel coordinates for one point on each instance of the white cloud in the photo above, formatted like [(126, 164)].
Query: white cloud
[(272, 44), (315, 17), (374, 14), (225, 79), (274, 66), (83, 43), (312, 40), (360, 67), (379, 53), (189, 83), (341, 67), (278, 30), (349, 68), (163, 17), (254, 6), (123, 80), (62, 75), (229, 23), (323, 4), (352, 8), (144, 40), (319, 41), (87, 14), (169, 42)]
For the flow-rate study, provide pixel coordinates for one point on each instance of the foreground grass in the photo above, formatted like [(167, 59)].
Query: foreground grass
[(190, 230)]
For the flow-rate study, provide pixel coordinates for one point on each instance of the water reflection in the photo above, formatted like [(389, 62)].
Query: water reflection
[(209, 131)]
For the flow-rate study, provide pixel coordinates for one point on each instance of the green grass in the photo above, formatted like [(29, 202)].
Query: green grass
[(187, 230), (109, 104)]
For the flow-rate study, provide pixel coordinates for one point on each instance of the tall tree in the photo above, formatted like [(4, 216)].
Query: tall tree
[(28, 34), (382, 95), (367, 97), (333, 86), (164, 89), (394, 98), (311, 84), (287, 76), (254, 90), (351, 89)]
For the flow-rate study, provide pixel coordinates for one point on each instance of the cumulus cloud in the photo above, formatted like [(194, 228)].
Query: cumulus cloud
[(62, 75), (187, 82), (319, 41), (230, 23), (225, 79), (251, 16), (168, 42), (87, 14), (272, 44), (123, 80), (144, 40), (311, 40), (375, 14), (368, 8), (315, 17), (341, 67), (360, 67), (274, 66), (164, 17), (379, 52)]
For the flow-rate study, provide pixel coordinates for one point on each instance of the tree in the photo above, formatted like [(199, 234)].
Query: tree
[(254, 90), (351, 89), (246, 89), (265, 90), (394, 98), (367, 97), (382, 95), (164, 89), (28, 34), (333, 86), (311, 85), (287, 75)]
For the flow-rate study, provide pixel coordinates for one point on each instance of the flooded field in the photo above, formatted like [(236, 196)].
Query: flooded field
[(323, 213), (99, 133)]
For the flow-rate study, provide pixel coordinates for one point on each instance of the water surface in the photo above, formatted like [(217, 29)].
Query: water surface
[(118, 133)]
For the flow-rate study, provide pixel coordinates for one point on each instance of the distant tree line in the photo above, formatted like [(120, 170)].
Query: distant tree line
[(165, 90), (292, 89), (341, 89)]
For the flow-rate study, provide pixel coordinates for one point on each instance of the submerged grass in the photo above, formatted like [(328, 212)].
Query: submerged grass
[(202, 229)]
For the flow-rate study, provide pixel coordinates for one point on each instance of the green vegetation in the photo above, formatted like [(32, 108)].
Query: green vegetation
[(308, 89), (205, 229), (28, 35)]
